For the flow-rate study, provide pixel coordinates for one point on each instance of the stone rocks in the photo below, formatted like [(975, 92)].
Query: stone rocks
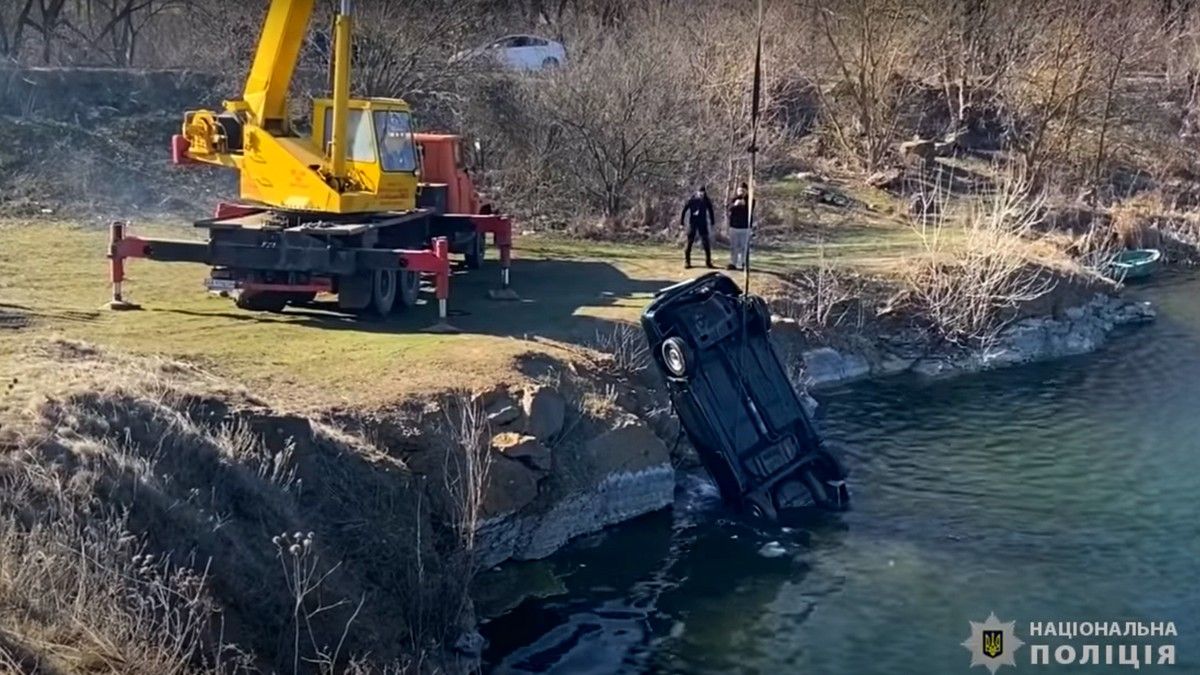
[(525, 449), (504, 415), (545, 412), (629, 446), (612, 499), (511, 486), (1078, 330), (826, 365), (893, 364), (622, 473), (499, 406)]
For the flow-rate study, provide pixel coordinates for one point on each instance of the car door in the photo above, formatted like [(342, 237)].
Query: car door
[(501, 51), (522, 53)]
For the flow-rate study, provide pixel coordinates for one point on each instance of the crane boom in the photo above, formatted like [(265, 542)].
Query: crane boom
[(266, 90), (360, 156)]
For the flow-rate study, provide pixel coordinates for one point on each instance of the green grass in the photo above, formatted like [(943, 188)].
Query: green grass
[(55, 275)]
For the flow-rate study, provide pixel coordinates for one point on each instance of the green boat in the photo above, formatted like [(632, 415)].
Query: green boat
[(1137, 263)]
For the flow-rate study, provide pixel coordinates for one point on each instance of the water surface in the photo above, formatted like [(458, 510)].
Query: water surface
[(1060, 491)]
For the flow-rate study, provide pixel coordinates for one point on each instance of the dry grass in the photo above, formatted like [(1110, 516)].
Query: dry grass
[(141, 502), (625, 344)]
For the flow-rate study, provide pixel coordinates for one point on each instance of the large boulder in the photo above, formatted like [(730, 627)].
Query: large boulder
[(826, 365), (523, 448), (511, 486), (628, 446), (545, 412), (500, 408)]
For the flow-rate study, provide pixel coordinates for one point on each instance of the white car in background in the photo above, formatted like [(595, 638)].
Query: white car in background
[(520, 52)]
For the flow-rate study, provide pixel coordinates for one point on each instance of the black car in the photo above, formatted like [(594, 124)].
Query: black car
[(735, 402)]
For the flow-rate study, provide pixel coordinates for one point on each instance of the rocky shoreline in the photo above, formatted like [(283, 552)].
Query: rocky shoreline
[(620, 467), (1078, 330)]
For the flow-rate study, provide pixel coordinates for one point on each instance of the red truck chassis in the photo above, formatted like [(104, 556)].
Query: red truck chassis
[(287, 258)]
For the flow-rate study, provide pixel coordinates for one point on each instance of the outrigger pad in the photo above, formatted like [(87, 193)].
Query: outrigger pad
[(443, 328), (503, 294), (735, 401), (120, 306)]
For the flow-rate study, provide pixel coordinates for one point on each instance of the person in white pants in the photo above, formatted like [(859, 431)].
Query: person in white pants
[(738, 217)]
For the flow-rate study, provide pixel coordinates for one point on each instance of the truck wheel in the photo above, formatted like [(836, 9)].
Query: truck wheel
[(261, 301), (677, 356), (474, 256), (409, 288), (383, 292)]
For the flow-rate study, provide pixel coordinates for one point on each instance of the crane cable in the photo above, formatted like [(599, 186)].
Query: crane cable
[(746, 301), (753, 149)]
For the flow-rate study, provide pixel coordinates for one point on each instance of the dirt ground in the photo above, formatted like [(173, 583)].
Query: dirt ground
[(53, 282)]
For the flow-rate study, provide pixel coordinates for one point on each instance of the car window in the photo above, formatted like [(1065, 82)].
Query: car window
[(520, 41), (538, 42)]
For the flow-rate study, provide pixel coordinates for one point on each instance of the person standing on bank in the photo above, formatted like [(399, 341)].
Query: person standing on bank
[(739, 227), (698, 215)]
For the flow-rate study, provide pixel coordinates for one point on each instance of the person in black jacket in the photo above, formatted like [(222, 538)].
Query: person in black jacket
[(698, 215), (739, 227)]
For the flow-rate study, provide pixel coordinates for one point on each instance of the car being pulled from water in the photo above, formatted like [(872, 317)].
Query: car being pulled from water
[(735, 402), (519, 52)]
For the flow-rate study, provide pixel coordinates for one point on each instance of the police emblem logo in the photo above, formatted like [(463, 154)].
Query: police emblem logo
[(993, 643)]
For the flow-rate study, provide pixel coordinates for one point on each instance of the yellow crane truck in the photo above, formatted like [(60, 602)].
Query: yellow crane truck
[(361, 207)]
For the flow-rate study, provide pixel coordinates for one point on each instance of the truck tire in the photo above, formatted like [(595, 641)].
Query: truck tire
[(474, 255), (408, 288), (383, 292), (261, 301)]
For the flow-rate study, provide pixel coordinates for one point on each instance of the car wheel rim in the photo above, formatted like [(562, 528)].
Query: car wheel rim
[(674, 358)]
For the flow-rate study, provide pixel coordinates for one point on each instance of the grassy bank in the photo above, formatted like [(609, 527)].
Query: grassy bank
[(53, 281)]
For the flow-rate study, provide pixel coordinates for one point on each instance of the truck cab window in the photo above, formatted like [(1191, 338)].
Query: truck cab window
[(393, 130), (358, 136)]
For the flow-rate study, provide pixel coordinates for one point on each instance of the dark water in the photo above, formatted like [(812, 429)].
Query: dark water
[(1067, 491)]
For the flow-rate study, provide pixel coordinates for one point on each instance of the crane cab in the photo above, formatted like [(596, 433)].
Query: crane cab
[(381, 155)]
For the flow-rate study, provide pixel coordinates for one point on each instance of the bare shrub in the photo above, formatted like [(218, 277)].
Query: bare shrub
[(819, 298), (304, 575), (975, 268), (626, 345)]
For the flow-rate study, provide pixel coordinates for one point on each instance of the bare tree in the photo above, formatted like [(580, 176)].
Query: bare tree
[(874, 62), (625, 122), (14, 19)]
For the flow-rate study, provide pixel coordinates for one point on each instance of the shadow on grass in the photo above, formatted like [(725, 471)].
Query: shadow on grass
[(552, 295)]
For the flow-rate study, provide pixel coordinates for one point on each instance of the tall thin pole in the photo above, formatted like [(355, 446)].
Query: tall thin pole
[(754, 115)]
